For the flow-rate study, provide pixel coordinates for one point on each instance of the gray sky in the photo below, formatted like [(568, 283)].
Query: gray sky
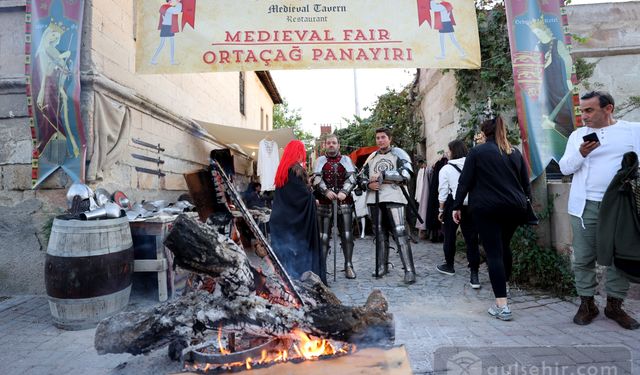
[(326, 96)]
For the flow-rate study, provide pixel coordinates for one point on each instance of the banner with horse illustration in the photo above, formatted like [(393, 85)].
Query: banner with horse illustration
[(187, 36), (53, 32), (544, 78)]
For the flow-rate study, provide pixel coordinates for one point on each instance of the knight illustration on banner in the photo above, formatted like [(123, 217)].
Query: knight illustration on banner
[(54, 89), (169, 25)]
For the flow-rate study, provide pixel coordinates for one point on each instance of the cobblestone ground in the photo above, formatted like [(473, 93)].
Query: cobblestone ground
[(440, 319)]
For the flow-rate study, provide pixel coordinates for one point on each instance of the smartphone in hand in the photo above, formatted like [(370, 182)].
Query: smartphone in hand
[(591, 137)]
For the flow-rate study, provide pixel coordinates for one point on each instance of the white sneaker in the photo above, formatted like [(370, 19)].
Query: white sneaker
[(502, 313)]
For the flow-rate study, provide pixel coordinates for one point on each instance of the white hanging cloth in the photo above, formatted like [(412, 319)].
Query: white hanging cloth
[(268, 160)]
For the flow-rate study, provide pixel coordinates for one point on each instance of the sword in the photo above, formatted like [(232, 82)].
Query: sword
[(378, 228), (411, 204), (335, 237)]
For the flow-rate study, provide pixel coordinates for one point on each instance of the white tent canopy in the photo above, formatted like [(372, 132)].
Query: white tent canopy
[(247, 139)]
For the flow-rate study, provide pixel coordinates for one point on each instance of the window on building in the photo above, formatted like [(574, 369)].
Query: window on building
[(242, 93), (261, 119)]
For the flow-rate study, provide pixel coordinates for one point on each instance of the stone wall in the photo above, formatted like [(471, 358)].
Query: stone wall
[(612, 33), (161, 108), (438, 111)]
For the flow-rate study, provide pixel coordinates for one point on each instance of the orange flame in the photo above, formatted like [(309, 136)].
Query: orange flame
[(305, 347), (311, 348), (221, 347)]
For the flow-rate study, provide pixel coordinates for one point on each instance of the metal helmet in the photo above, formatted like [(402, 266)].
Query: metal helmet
[(102, 197), (78, 189)]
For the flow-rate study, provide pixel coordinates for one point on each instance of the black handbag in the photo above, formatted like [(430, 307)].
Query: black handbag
[(531, 218)]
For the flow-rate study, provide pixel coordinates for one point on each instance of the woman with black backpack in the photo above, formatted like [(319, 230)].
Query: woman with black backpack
[(447, 186)]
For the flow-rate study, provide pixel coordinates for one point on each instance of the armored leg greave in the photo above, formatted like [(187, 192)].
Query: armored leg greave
[(324, 225), (382, 241), (345, 224), (396, 220), (345, 220)]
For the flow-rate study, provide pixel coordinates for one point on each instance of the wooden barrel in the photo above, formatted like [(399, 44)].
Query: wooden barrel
[(88, 271)]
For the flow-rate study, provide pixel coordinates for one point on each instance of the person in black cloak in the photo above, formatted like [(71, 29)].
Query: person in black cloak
[(294, 230), (434, 227)]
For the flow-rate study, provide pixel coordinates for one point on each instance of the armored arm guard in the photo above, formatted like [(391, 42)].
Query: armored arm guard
[(363, 181), (319, 185), (403, 166), (350, 180), (349, 184), (393, 177), (318, 182)]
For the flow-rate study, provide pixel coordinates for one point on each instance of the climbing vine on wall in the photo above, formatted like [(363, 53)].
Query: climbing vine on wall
[(495, 78)]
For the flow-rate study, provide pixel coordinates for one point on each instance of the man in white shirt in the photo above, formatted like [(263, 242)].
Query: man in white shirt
[(593, 163)]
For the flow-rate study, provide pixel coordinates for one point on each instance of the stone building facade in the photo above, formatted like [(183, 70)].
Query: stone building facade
[(157, 109), (611, 34), (613, 45)]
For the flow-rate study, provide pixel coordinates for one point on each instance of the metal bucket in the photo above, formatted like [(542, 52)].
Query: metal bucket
[(88, 270)]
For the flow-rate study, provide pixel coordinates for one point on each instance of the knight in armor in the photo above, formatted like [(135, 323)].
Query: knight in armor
[(334, 179), (386, 173)]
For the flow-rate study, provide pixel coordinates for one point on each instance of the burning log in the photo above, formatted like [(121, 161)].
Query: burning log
[(198, 247), (247, 302)]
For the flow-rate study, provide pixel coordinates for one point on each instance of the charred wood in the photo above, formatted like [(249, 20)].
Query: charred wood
[(247, 302), (198, 247)]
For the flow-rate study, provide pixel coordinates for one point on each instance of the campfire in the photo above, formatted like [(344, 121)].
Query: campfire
[(248, 315), (226, 356)]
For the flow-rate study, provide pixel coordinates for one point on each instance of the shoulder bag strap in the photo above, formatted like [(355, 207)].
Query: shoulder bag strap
[(456, 167)]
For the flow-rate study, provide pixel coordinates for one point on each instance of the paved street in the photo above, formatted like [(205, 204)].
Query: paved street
[(439, 314)]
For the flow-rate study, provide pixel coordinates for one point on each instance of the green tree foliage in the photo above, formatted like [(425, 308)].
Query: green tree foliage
[(494, 80), (394, 110), (358, 133), (286, 117)]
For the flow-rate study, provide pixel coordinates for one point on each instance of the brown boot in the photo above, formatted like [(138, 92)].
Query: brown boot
[(614, 311), (586, 312)]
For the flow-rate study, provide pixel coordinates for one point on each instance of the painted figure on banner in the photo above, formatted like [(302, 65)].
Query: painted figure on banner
[(443, 21), (169, 24), (52, 103), (543, 71), (54, 88)]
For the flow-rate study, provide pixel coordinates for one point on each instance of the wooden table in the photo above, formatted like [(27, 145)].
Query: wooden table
[(151, 232)]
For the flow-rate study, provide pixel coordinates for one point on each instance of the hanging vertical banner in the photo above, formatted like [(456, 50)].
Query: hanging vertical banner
[(53, 31), (544, 78), (186, 36)]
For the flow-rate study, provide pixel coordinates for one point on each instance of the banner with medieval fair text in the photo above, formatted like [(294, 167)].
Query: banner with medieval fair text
[(53, 31), (186, 36), (544, 78)]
